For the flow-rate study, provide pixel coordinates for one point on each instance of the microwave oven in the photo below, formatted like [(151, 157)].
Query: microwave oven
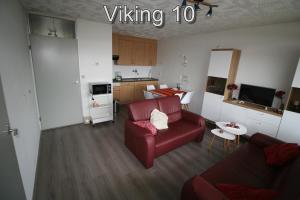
[(97, 88)]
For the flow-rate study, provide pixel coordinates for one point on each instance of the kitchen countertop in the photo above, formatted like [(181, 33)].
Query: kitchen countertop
[(135, 80)]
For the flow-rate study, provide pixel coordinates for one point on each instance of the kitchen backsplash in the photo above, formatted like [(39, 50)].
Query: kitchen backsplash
[(132, 71)]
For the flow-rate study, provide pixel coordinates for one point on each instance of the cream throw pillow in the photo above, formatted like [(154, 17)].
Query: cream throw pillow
[(159, 119)]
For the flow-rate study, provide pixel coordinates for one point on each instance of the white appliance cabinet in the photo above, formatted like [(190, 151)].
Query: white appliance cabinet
[(103, 111)]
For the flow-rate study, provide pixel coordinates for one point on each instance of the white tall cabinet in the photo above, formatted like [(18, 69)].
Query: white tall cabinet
[(219, 64), (212, 106), (296, 81), (289, 127), (222, 71), (289, 130)]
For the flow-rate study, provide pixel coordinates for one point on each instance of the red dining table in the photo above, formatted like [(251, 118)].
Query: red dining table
[(167, 92)]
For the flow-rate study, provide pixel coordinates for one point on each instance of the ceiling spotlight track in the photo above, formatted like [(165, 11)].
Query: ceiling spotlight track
[(197, 7)]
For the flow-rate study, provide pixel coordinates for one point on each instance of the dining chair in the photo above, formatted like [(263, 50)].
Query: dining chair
[(148, 95), (186, 100), (163, 86), (180, 95), (150, 87)]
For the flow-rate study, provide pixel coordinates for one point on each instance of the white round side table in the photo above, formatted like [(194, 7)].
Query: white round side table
[(241, 130), (222, 134)]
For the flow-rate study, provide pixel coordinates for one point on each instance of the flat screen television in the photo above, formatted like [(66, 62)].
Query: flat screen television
[(258, 95)]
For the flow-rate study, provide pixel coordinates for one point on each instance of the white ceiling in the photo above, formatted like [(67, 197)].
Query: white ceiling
[(229, 15)]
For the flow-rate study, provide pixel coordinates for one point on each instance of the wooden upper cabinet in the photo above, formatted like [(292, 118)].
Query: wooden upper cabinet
[(115, 44), (150, 52), (125, 51), (139, 52), (134, 50)]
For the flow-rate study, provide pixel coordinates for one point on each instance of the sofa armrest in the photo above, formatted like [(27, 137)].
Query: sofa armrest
[(141, 142), (136, 130), (262, 140), (197, 188), (192, 117)]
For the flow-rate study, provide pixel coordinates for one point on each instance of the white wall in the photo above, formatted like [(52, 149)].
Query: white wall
[(95, 56), (269, 57), (127, 71), (19, 91)]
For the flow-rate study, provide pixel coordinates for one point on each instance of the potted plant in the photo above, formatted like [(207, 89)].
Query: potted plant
[(231, 87), (280, 94)]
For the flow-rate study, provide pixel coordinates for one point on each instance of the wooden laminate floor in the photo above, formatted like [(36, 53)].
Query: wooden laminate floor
[(92, 163)]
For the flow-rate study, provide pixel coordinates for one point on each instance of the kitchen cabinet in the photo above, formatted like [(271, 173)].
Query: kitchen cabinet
[(139, 89), (125, 49), (116, 93), (139, 52), (134, 50), (126, 92), (150, 53), (115, 44)]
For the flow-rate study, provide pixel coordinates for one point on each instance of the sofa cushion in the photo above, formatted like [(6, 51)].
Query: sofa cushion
[(178, 133), (171, 106), (245, 166), (280, 154), (242, 192), (141, 110), (288, 180), (159, 119)]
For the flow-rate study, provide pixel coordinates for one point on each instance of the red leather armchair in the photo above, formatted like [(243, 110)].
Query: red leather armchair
[(184, 127)]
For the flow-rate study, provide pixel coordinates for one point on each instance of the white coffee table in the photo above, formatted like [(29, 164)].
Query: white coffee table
[(222, 134), (242, 130)]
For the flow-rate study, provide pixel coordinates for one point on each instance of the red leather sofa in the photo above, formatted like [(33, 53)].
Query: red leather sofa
[(246, 166), (184, 126)]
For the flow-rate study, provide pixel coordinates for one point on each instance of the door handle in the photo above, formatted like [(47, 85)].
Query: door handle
[(12, 132)]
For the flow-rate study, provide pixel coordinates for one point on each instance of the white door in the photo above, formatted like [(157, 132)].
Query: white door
[(11, 186), (212, 106), (56, 70)]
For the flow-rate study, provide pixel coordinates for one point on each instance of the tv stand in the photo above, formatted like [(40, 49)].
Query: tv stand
[(255, 117), (254, 106)]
